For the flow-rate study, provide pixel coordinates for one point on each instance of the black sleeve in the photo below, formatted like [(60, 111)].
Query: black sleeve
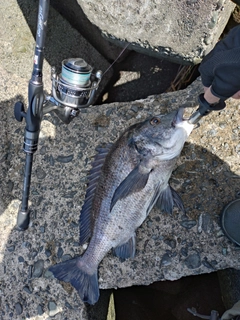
[(221, 67)]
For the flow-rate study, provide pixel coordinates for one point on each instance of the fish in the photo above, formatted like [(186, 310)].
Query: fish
[(127, 179)]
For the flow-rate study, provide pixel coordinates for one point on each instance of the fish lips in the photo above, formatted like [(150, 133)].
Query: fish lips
[(178, 117), (180, 122)]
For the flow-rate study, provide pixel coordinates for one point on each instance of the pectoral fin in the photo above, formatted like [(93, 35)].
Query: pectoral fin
[(134, 182), (126, 250), (167, 198)]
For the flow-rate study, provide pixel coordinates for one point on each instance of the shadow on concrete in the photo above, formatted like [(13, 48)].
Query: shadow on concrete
[(135, 75)]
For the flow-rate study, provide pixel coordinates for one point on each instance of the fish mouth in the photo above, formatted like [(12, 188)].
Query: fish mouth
[(178, 117)]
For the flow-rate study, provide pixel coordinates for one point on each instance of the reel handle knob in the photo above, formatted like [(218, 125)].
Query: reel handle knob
[(19, 112)]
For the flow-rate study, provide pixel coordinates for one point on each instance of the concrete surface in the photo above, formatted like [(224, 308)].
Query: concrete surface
[(180, 31), (168, 247)]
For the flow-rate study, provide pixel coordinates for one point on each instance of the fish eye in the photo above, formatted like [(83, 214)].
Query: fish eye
[(154, 121)]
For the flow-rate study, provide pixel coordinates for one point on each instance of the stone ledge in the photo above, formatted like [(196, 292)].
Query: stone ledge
[(168, 247)]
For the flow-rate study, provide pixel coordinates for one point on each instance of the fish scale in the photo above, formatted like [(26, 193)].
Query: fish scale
[(126, 180)]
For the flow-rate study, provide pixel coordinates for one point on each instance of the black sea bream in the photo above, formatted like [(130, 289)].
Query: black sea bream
[(126, 180)]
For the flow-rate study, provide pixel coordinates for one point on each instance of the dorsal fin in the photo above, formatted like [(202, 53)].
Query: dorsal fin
[(85, 220)]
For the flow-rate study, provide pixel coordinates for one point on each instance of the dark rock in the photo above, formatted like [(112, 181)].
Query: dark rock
[(41, 174), (20, 259), (64, 159), (68, 305), (48, 253), (52, 307), (69, 195), (48, 274), (28, 289), (171, 243), (193, 261), (207, 264), (207, 223), (10, 186), (66, 257), (166, 260), (38, 269), (33, 254), (184, 251), (40, 310), (188, 224), (11, 248), (60, 252), (18, 308)]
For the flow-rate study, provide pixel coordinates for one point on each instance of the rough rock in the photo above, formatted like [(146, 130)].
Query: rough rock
[(18, 20), (180, 31), (168, 247), (71, 11), (207, 178)]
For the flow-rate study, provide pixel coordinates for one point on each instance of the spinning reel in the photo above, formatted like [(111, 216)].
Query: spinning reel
[(73, 89)]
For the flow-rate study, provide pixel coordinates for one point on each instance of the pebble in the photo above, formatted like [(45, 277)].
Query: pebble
[(166, 260), (184, 251), (64, 159), (188, 224), (69, 195), (207, 223), (38, 269), (10, 186), (68, 305), (40, 310), (11, 248), (42, 229), (238, 149), (43, 150), (207, 264), (33, 254), (30, 268), (52, 307), (48, 253), (134, 108), (60, 252), (48, 274), (171, 243), (27, 289), (224, 251), (66, 257), (40, 173), (18, 308), (20, 259), (193, 261)]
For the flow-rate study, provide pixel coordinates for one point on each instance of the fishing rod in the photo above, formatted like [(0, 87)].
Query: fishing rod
[(73, 89)]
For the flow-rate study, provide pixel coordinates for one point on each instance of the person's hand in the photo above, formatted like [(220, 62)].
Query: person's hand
[(220, 69)]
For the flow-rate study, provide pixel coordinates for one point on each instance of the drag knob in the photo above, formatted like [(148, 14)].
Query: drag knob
[(19, 112)]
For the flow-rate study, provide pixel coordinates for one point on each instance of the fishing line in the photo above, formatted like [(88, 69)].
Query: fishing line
[(116, 59)]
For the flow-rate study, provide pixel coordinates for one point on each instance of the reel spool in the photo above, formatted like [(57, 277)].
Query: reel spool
[(76, 85)]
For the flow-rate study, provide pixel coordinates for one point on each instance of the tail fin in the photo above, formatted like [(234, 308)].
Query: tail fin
[(73, 271)]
